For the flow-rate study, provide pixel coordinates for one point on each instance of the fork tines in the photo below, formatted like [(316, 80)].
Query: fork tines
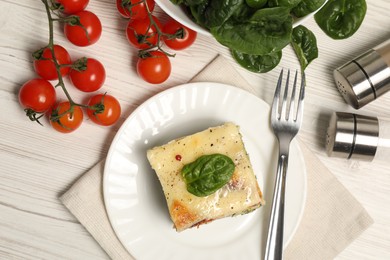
[(286, 109)]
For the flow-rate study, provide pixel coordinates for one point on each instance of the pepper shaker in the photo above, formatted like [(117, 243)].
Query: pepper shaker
[(359, 137), (366, 77)]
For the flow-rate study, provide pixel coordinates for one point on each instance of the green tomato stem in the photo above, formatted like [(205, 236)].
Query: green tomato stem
[(56, 64), (159, 32)]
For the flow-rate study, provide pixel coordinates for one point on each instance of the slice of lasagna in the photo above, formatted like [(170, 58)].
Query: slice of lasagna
[(206, 176)]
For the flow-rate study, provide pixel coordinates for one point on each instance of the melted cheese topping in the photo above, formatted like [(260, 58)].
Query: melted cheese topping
[(240, 195)]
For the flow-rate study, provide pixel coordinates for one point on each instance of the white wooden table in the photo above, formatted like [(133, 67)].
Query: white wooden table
[(38, 164)]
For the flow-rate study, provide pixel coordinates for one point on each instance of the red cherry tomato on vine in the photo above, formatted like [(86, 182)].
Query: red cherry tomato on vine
[(184, 36), (138, 8), (68, 122), (73, 6), (108, 109), (88, 33), (141, 34), (44, 63), (38, 95), (90, 79), (154, 69)]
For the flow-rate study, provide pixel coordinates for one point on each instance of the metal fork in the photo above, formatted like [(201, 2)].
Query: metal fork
[(285, 121)]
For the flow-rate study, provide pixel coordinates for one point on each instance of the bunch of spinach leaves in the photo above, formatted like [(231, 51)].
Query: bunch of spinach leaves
[(256, 31)]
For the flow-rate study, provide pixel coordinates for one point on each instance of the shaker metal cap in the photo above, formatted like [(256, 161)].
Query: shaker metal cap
[(363, 80), (352, 136)]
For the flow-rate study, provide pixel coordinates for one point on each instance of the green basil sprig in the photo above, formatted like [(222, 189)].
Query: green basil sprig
[(207, 174), (340, 19)]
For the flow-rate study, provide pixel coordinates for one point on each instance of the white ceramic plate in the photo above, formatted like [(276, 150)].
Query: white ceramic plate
[(133, 196), (179, 14)]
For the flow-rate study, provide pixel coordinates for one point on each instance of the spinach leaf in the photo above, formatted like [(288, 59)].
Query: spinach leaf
[(219, 11), (268, 30), (207, 174), (197, 12), (256, 3), (188, 2), (305, 45), (286, 3), (305, 7), (243, 12), (257, 63), (177, 2), (208, 13), (340, 19)]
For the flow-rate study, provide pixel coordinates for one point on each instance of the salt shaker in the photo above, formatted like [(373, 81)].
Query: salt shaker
[(366, 77), (359, 137)]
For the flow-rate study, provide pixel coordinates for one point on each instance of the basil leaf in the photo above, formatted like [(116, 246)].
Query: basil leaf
[(257, 63), (341, 19), (207, 174), (305, 45), (305, 7), (268, 30)]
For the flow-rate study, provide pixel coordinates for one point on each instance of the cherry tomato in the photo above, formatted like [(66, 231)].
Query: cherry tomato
[(138, 8), (88, 33), (154, 69), (141, 34), (73, 6), (38, 95), (108, 109), (90, 79), (184, 36), (44, 63), (68, 122)]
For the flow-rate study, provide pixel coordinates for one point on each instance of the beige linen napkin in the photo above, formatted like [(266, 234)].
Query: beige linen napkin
[(332, 218)]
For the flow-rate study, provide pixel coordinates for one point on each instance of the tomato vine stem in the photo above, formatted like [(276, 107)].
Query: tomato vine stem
[(58, 67), (159, 32)]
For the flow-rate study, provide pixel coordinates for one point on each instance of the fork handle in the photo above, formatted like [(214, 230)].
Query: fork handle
[(274, 247)]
